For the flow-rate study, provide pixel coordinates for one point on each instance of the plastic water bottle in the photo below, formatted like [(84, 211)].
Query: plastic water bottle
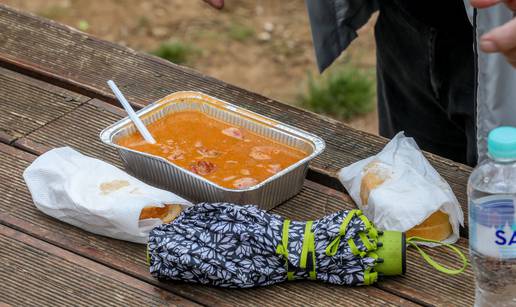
[(492, 221)]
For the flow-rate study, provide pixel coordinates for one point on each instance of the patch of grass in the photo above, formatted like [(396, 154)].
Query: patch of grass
[(176, 52), (53, 12), (343, 93), (240, 32), (143, 22), (208, 35), (83, 25)]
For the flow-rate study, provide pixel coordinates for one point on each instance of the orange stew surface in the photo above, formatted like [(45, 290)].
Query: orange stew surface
[(230, 156)]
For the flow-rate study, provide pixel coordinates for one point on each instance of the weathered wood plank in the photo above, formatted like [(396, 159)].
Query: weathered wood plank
[(314, 202), (75, 60), (22, 100), (76, 129), (72, 130), (151, 79), (36, 273), (18, 212), (422, 283)]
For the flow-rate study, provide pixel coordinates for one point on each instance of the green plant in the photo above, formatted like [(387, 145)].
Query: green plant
[(143, 22), (53, 12), (83, 25), (240, 32), (343, 94), (176, 52)]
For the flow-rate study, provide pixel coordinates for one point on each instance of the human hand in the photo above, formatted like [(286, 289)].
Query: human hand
[(503, 38), (481, 4), (215, 3)]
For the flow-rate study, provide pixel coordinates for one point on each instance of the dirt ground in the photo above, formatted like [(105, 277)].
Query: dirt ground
[(264, 45)]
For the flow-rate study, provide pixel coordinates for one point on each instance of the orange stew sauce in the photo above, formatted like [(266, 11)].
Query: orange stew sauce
[(229, 156)]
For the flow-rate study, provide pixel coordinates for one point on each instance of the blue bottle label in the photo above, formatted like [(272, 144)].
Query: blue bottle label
[(492, 227)]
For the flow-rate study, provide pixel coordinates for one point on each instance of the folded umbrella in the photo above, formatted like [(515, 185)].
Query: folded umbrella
[(242, 246)]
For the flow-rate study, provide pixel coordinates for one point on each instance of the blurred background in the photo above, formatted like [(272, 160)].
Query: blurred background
[(264, 46)]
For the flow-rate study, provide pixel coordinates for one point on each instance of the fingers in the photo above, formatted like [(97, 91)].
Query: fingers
[(484, 3), (511, 57), (216, 3), (511, 4), (488, 3), (501, 39)]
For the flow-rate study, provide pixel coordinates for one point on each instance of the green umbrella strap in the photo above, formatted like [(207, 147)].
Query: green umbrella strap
[(354, 249), (370, 245), (368, 239), (283, 248), (147, 253), (370, 276), (370, 229), (413, 241), (308, 250), (333, 247)]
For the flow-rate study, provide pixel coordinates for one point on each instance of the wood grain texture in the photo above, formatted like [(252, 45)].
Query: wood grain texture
[(17, 211), (72, 130), (313, 202), (35, 273), (80, 129), (29, 44), (76, 129), (75, 60), (27, 104)]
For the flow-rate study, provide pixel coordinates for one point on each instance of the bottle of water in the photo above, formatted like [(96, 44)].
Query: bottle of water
[(492, 221)]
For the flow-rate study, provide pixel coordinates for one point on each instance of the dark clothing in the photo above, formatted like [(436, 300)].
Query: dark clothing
[(425, 69)]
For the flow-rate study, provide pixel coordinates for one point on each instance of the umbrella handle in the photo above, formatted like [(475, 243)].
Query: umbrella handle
[(441, 268)]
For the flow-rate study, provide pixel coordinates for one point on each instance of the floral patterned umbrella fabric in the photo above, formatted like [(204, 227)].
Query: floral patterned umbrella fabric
[(242, 246)]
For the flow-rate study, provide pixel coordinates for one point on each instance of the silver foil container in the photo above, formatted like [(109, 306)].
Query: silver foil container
[(160, 172)]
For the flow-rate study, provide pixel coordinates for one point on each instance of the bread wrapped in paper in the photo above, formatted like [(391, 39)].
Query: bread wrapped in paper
[(399, 190), (166, 214), (98, 197)]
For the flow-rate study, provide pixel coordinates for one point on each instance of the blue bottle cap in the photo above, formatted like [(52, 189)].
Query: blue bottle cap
[(501, 143)]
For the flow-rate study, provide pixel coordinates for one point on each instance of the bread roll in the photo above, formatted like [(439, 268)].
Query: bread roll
[(167, 213), (372, 178), (436, 227)]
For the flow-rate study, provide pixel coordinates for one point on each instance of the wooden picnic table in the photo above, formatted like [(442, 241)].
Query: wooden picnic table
[(53, 93)]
